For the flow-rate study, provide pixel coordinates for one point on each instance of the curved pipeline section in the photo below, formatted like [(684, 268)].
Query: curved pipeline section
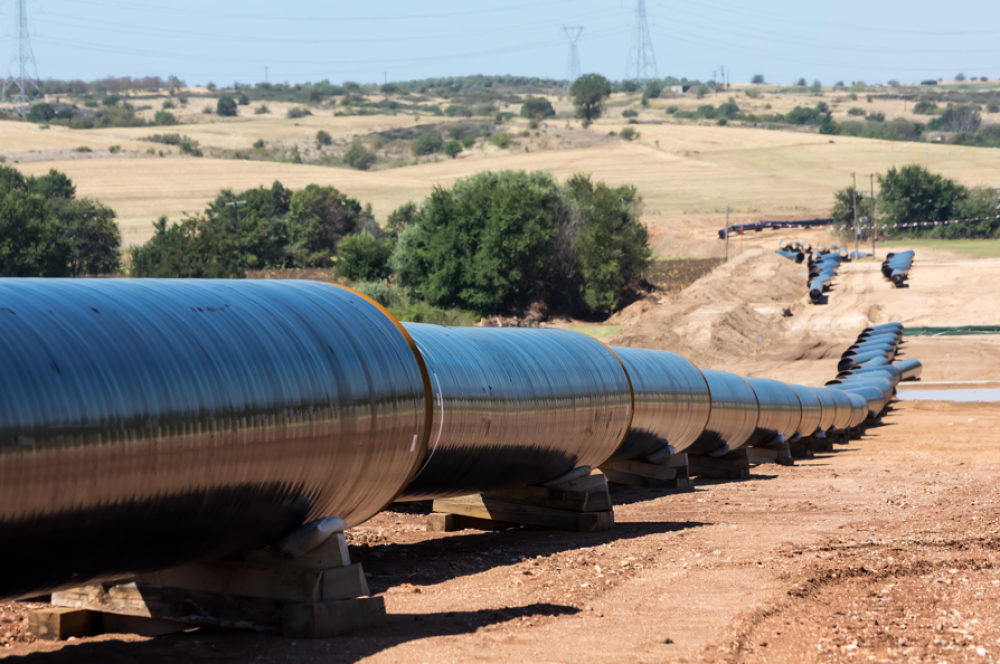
[(896, 266), (516, 407), (672, 403), (733, 417), (780, 411), (173, 421)]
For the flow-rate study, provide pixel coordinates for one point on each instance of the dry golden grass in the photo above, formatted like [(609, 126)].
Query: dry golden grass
[(683, 172), (25, 137)]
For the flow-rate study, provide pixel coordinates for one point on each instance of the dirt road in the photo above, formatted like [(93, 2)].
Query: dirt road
[(884, 549)]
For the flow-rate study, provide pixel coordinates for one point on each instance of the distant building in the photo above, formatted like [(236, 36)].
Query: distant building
[(680, 89)]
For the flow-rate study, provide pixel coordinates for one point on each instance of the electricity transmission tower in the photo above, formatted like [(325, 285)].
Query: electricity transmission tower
[(641, 59), (573, 71), (23, 58)]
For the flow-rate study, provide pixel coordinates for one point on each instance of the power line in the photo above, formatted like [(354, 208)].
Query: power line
[(573, 71), (641, 64), (27, 70)]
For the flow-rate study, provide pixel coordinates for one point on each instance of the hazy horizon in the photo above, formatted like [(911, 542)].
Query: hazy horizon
[(394, 40)]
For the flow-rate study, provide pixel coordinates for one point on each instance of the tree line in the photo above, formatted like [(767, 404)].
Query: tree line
[(912, 194)]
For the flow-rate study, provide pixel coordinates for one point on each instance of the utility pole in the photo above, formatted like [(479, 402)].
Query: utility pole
[(265, 75), (872, 213), (573, 68), (23, 62), (641, 65), (239, 234), (715, 83), (857, 230), (385, 78)]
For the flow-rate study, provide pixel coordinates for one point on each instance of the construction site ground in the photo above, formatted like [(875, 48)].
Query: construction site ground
[(884, 550)]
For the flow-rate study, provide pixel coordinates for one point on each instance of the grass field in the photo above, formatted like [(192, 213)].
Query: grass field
[(977, 248), (689, 172)]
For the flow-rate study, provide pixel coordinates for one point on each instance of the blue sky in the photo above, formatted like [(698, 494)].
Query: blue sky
[(225, 40)]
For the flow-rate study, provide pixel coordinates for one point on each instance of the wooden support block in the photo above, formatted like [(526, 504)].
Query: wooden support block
[(779, 455), (115, 624), (190, 606), (485, 507), (801, 449), (646, 475), (595, 482), (734, 466), (451, 523), (576, 501), (679, 462), (326, 619), (60, 623), (278, 582)]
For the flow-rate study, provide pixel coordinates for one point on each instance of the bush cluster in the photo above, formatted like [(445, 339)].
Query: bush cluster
[(497, 242), (45, 231)]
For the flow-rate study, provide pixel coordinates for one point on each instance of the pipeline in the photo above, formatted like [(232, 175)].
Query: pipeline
[(145, 424), (896, 267)]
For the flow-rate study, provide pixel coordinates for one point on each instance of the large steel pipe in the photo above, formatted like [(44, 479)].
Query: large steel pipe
[(859, 408), (780, 411), (150, 423), (887, 350), (672, 403), (733, 417), (870, 358), (889, 371), (516, 407), (844, 412), (909, 369), (829, 413), (812, 410)]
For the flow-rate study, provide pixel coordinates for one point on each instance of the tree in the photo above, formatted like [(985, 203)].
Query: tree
[(959, 77), (483, 244), (92, 233), (957, 118), (536, 108), (629, 86), (51, 233), (319, 216), (323, 138), (400, 218), (843, 206), (611, 244), (589, 93), (452, 149), (31, 242), (427, 143), (912, 193), (42, 112), (653, 90), (758, 79), (801, 83), (817, 87), (364, 257), (628, 133), (359, 157), (226, 107)]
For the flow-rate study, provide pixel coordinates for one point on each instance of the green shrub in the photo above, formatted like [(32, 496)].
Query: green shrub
[(226, 107), (993, 107), (925, 107), (427, 143), (164, 118), (855, 111), (168, 104), (452, 149), (753, 94), (82, 148), (359, 157), (630, 113), (318, 217), (628, 133), (957, 118), (671, 110), (323, 138), (115, 149), (537, 108), (42, 112), (503, 140), (458, 110), (297, 112), (363, 257), (258, 144), (758, 79), (262, 110)]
